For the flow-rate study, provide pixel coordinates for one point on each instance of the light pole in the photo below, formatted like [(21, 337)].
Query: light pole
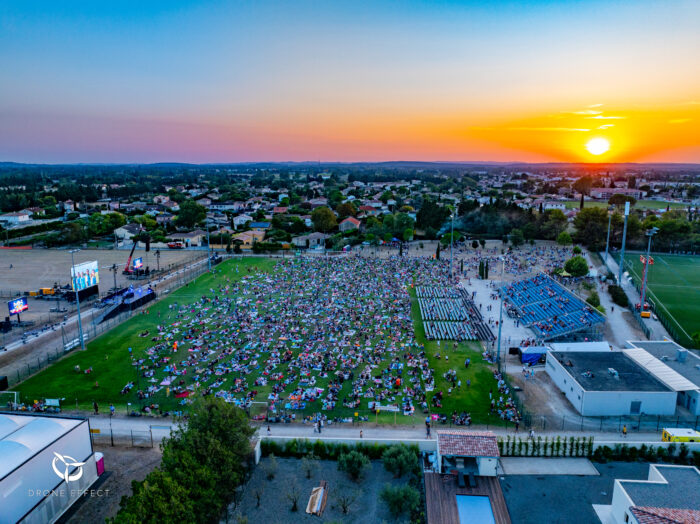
[(500, 318), (650, 233), (607, 242), (452, 238), (77, 298), (624, 239), (208, 248)]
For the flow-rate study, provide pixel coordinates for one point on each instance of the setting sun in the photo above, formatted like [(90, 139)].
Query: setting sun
[(597, 146)]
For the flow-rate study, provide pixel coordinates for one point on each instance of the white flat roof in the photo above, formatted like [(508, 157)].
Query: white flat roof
[(661, 371), (22, 436)]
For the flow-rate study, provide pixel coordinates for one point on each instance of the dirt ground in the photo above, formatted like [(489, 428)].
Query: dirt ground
[(125, 465)]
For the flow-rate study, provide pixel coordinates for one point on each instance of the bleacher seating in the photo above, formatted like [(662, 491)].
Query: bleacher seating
[(548, 308), (450, 314)]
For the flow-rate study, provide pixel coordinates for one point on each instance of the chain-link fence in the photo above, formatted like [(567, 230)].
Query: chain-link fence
[(130, 438)]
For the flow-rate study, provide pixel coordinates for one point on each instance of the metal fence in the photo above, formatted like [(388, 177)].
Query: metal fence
[(133, 439)]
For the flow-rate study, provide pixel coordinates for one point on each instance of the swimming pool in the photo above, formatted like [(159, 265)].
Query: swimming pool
[(474, 510)]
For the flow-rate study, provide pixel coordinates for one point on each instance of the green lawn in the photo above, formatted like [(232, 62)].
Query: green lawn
[(108, 354), (113, 366), (674, 282)]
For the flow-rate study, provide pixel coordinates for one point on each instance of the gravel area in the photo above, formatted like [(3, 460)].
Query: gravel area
[(123, 466), (275, 507)]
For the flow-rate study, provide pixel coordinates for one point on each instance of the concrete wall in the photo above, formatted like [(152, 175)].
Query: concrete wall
[(608, 403), (690, 400), (423, 445), (620, 505), (487, 466), (572, 389), (613, 403)]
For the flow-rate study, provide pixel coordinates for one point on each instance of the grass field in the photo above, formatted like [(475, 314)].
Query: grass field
[(112, 364), (674, 286), (641, 204)]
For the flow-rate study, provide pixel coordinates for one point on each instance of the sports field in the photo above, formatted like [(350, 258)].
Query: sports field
[(225, 350), (674, 286)]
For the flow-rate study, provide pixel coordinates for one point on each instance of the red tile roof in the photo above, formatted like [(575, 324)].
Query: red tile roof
[(352, 220), (665, 515), (467, 443)]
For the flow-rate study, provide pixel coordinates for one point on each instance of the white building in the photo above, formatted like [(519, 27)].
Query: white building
[(33, 470), (608, 383), (13, 219), (669, 495), (241, 220), (673, 365), (467, 451)]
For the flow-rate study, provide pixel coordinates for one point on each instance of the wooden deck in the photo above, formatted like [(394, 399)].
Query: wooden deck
[(441, 490)]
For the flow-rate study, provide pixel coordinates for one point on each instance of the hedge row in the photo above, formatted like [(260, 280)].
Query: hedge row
[(299, 448), (625, 453), (546, 447)]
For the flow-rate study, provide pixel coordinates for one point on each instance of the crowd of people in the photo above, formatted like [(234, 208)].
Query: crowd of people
[(313, 334)]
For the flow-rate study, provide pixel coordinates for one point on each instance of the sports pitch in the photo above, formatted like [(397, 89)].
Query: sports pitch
[(674, 286), (113, 366)]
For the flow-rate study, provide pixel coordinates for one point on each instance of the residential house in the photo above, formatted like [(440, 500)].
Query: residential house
[(262, 226), (15, 218), (279, 210), (165, 218), (68, 206), (171, 206), (127, 231), (241, 220), (204, 201), (192, 238), (248, 238), (34, 211), (349, 224), (311, 241)]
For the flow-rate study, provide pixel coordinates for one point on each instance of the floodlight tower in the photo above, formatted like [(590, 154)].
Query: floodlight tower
[(452, 236), (650, 233), (624, 239), (77, 298)]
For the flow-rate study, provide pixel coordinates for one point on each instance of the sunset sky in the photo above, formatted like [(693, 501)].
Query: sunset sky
[(207, 81)]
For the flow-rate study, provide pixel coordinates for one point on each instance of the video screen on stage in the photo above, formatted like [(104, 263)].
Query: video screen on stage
[(138, 263), (18, 305), (84, 275)]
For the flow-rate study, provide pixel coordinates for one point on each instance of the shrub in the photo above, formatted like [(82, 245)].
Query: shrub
[(577, 250), (576, 266), (564, 239), (399, 460), (400, 499), (593, 299), (353, 463), (618, 295), (270, 467)]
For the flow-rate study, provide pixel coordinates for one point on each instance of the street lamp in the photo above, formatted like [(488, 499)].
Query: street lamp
[(208, 247), (77, 298), (452, 237), (500, 317), (650, 233), (607, 242)]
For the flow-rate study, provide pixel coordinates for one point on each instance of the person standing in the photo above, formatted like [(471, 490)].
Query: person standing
[(95, 407), (111, 410), (624, 430)]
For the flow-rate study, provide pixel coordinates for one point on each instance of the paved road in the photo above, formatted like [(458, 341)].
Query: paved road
[(122, 425)]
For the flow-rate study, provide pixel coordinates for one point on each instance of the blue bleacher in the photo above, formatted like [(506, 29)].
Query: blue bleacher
[(548, 308)]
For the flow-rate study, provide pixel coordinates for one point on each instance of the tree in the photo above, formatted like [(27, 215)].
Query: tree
[(400, 499), (293, 493), (324, 219), (399, 460), (346, 209), (591, 227), (345, 496), (517, 238), (354, 464), (431, 215), (564, 239), (158, 498), (190, 214), (482, 243), (309, 465), (632, 182), (619, 200), (437, 252), (475, 244), (581, 204), (576, 266), (583, 185), (270, 467)]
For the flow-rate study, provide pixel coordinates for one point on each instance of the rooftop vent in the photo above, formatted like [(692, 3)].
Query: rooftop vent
[(681, 354), (613, 372)]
